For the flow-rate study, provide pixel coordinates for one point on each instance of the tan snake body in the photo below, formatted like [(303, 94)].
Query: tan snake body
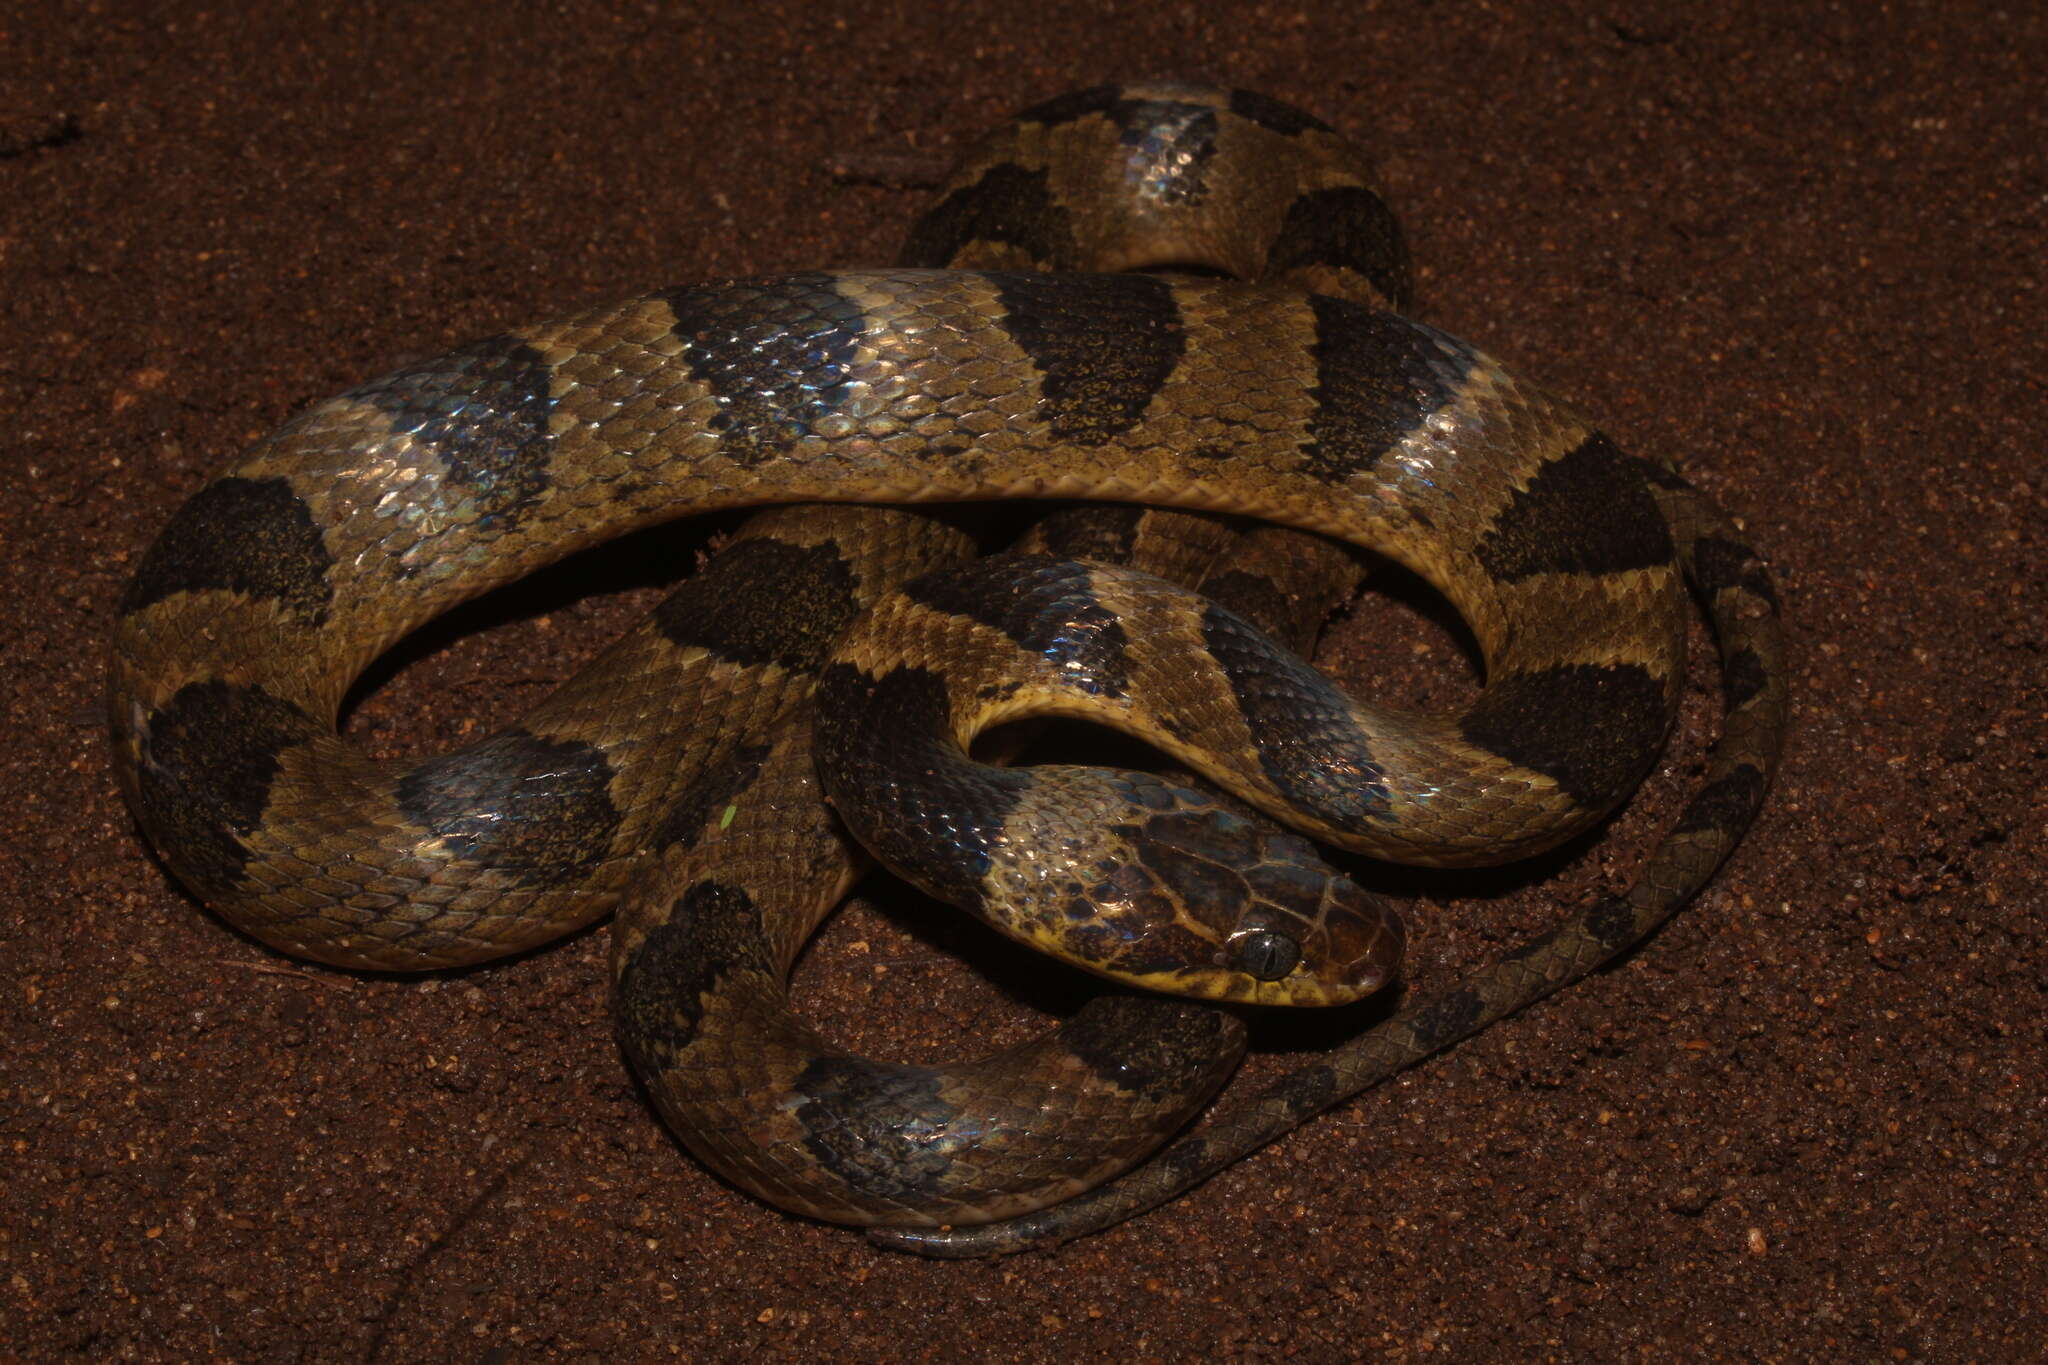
[(281, 580)]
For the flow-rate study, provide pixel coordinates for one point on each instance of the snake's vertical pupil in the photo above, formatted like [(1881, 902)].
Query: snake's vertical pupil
[(1265, 954)]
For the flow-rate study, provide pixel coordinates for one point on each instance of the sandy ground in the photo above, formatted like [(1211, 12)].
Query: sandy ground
[(1799, 246)]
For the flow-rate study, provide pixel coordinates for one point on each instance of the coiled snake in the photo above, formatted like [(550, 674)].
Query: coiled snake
[(683, 753)]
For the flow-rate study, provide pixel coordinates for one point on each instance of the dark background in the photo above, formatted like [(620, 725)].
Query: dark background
[(1798, 246)]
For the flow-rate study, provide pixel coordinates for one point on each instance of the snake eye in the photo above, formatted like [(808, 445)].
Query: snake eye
[(1265, 954)]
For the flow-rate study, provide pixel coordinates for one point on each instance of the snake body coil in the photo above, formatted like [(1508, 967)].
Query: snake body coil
[(370, 513)]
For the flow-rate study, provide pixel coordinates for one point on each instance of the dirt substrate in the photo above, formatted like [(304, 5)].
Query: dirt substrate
[(1798, 246)]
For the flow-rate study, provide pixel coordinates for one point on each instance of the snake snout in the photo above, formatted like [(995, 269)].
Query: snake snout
[(1365, 937)]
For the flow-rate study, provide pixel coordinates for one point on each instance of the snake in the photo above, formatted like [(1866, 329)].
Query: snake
[(1191, 384)]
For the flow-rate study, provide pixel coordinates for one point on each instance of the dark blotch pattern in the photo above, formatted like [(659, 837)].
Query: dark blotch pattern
[(1255, 597), (1588, 512), (1537, 947), (1046, 606), (1078, 104), (1592, 729), (251, 536), (1612, 923), (1664, 476), (1270, 113), (538, 810), (1377, 377), (1450, 1017), (764, 602), (712, 930), (1010, 206), (1719, 563), (1188, 1158), (883, 1129), (707, 796), (1725, 805), (1154, 1049), (1305, 1092), (1347, 226), (1742, 676), (936, 815), (208, 758), (1102, 344), (776, 354), (483, 412), (1308, 748), (1100, 531)]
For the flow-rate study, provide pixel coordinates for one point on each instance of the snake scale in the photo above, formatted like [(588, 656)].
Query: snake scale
[(677, 778)]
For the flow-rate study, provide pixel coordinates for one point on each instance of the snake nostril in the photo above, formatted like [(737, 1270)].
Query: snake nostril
[(1265, 954)]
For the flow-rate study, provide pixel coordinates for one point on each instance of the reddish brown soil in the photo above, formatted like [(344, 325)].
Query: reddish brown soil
[(1798, 245)]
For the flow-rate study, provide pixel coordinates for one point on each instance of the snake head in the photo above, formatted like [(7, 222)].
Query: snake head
[(1169, 889), (1289, 928)]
